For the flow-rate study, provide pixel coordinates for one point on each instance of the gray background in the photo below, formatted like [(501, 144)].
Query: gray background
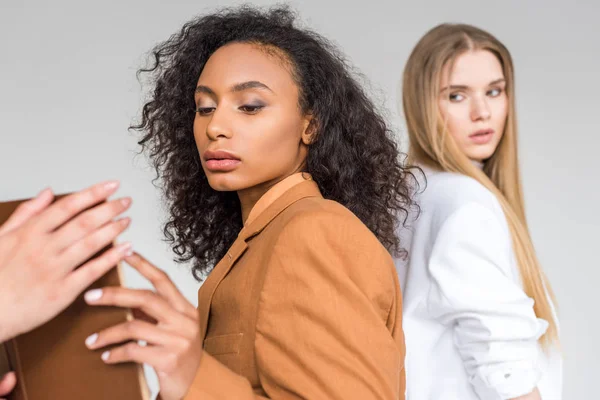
[(68, 92)]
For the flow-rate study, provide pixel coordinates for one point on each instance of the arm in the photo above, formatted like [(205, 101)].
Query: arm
[(472, 291)]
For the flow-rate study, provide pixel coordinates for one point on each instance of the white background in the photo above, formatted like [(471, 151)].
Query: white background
[(68, 92)]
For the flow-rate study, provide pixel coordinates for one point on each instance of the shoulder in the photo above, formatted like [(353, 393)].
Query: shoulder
[(320, 217), (447, 193), (453, 202), (451, 190), (324, 237)]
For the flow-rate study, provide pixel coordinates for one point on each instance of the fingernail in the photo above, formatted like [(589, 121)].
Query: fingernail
[(124, 222), (125, 249), (91, 340), (44, 194), (111, 185), (93, 295), (126, 201), (105, 355)]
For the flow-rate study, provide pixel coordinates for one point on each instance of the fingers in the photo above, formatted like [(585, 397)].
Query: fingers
[(131, 330), (163, 284), (133, 352), (146, 300), (91, 271), (27, 210), (68, 207), (85, 248), (88, 222), (7, 383)]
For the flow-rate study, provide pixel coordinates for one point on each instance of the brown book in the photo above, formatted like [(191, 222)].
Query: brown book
[(52, 361)]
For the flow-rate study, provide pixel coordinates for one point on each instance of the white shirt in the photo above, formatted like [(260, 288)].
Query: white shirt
[(471, 332)]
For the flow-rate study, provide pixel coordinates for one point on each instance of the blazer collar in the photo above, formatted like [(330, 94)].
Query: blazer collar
[(207, 291), (307, 188)]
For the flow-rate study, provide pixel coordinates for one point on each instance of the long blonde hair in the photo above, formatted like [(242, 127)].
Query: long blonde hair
[(431, 145)]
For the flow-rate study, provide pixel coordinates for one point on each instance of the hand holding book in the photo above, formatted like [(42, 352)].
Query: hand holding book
[(41, 245), (173, 347)]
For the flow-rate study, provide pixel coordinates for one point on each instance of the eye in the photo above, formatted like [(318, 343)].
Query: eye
[(456, 97), (494, 92), (251, 108), (205, 110)]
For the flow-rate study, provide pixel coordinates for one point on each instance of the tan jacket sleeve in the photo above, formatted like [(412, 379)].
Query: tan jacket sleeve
[(214, 381), (329, 303)]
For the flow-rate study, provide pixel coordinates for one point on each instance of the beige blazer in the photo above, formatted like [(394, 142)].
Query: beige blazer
[(305, 305)]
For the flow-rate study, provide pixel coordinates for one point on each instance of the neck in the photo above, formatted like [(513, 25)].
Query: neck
[(250, 196), (477, 163)]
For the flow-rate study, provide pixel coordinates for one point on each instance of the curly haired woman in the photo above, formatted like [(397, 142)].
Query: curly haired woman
[(285, 186)]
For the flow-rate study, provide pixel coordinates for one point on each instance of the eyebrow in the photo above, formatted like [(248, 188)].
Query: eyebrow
[(238, 87), (463, 87)]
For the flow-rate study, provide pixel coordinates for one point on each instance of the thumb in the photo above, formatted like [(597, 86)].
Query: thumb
[(7, 383)]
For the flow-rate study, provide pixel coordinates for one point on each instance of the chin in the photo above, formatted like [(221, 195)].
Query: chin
[(224, 182), (482, 153)]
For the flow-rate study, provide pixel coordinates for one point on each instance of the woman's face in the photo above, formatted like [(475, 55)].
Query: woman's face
[(249, 129), (474, 104)]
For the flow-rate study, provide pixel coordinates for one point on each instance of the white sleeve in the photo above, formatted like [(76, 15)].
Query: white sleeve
[(474, 292)]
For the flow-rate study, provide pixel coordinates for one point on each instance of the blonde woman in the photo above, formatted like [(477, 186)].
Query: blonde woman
[(478, 310)]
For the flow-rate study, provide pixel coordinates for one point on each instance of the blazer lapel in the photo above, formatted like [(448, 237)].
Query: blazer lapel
[(208, 288), (216, 276)]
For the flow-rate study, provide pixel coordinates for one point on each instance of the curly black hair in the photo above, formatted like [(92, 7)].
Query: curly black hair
[(353, 157)]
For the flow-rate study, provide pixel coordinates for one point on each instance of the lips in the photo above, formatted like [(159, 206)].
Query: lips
[(221, 161), (482, 136)]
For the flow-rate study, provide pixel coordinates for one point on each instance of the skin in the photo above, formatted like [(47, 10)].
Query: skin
[(41, 245), (247, 104), (262, 124), (473, 98)]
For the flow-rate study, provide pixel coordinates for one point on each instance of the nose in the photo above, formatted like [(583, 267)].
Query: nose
[(218, 126), (480, 110)]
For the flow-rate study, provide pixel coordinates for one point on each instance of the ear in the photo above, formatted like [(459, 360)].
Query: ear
[(309, 130)]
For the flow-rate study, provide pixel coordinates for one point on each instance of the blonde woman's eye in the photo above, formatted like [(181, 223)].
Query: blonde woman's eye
[(495, 92), (456, 97)]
